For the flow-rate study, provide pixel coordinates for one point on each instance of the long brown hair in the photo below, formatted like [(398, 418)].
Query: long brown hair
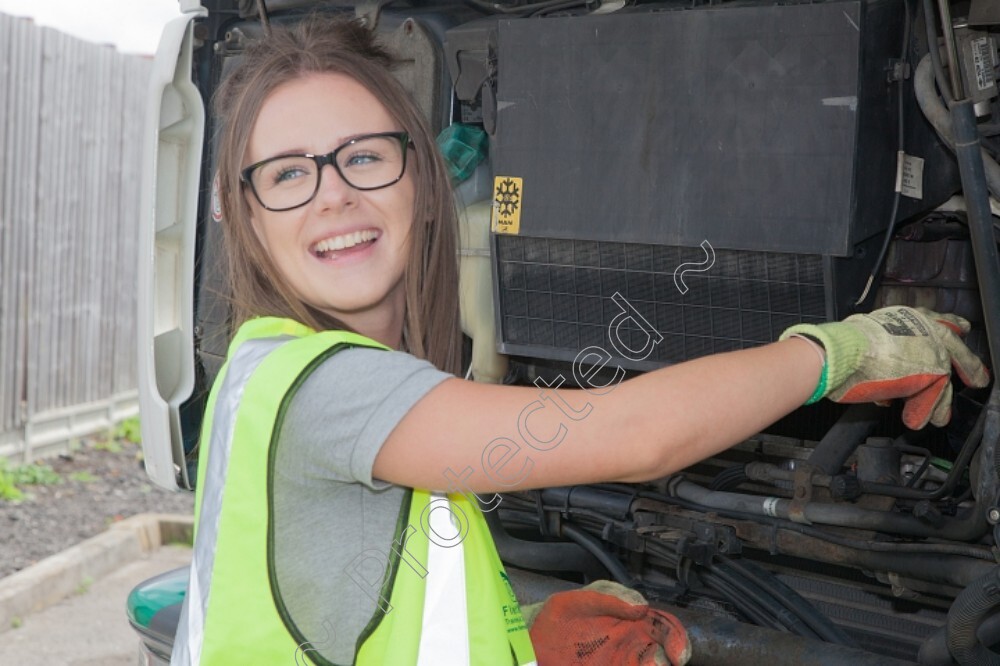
[(321, 44)]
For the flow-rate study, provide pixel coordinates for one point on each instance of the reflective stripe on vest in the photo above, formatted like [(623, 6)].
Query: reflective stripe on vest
[(230, 614)]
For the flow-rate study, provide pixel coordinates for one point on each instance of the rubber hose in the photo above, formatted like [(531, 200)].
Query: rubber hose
[(934, 650), (936, 112), (967, 612)]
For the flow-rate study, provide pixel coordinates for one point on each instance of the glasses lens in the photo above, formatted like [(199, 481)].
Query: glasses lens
[(372, 162), (367, 163), (285, 182)]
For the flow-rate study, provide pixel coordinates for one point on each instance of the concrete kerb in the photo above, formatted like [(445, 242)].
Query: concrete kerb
[(55, 578)]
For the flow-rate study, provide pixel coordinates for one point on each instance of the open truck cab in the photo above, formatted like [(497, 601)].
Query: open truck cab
[(693, 177)]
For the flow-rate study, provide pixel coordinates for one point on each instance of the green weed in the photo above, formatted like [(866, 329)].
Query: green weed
[(12, 478), (83, 477), (129, 430), (8, 491), (110, 445)]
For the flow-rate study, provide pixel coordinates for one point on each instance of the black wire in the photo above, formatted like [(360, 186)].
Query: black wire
[(498, 8), (565, 4), (930, 22), (752, 602), (757, 593), (757, 615), (727, 591), (787, 617), (586, 541), (729, 478), (900, 147), (905, 448), (757, 598), (824, 627), (593, 546)]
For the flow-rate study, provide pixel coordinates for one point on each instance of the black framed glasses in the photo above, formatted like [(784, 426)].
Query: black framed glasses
[(368, 162)]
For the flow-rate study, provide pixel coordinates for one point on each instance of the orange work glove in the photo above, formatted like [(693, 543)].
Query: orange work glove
[(607, 624), (895, 352)]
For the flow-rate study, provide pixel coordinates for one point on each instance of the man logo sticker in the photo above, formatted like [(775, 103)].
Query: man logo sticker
[(506, 218)]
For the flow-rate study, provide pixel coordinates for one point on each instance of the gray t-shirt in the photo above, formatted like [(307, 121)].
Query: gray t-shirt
[(333, 523)]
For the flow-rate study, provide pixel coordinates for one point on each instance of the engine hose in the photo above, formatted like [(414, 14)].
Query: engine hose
[(593, 546), (762, 598), (934, 650), (717, 641), (936, 112), (966, 614), (818, 622), (541, 555), (975, 186), (850, 430)]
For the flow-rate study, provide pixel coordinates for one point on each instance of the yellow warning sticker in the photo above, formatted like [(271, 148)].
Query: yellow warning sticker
[(506, 218)]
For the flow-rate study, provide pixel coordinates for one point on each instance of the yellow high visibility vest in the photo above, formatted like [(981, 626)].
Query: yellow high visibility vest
[(233, 613)]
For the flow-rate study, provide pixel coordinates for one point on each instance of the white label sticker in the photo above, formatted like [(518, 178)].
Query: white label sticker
[(910, 175), (982, 59)]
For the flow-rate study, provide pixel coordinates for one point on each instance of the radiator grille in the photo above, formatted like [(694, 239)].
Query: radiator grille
[(555, 296)]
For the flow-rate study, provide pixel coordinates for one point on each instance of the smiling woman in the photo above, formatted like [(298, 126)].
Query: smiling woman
[(303, 211)]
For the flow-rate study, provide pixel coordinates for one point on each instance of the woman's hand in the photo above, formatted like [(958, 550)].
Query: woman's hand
[(896, 352)]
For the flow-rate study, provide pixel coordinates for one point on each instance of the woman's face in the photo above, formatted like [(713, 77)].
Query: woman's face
[(345, 251)]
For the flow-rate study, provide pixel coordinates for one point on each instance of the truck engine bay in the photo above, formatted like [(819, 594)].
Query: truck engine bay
[(664, 180)]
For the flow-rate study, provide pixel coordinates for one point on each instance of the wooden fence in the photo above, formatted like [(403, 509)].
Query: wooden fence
[(71, 116)]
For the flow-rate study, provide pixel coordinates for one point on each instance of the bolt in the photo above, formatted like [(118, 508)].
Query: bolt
[(993, 516)]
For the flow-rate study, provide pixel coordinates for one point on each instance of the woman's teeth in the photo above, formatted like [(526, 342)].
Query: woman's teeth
[(345, 241)]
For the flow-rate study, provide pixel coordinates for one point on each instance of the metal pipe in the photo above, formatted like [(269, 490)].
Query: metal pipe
[(954, 571), (949, 41), (850, 430), (967, 527), (722, 642), (984, 248)]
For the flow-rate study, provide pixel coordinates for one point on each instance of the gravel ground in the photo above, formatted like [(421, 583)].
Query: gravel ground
[(101, 481)]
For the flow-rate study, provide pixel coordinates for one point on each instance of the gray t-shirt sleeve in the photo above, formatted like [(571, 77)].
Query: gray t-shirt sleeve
[(344, 411)]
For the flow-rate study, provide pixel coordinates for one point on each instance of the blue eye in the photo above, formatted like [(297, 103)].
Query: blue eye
[(362, 158), (287, 174), (285, 171)]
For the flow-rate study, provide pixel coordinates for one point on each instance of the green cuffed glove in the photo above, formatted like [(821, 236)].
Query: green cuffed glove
[(895, 352)]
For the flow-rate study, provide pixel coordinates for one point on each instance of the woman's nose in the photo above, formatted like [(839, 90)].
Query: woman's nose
[(333, 189)]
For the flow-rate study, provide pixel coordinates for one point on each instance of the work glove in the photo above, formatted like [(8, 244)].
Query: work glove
[(895, 352), (606, 623)]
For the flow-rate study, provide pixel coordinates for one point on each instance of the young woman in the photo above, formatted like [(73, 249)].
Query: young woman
[(337, 426)]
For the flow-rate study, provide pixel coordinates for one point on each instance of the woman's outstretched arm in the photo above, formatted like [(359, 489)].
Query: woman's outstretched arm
[(496, 438)]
